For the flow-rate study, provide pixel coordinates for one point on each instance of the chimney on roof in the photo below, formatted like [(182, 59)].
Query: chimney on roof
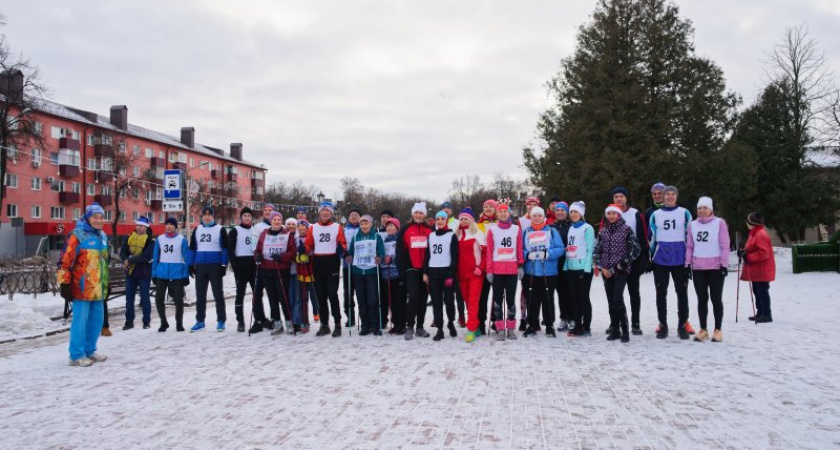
[(188, 136), (119, 116), (11, 84), (236, 151)]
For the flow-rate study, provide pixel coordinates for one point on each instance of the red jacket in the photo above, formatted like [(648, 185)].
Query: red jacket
[(408, 256), (760, 262), (470, 253), (286, 258)]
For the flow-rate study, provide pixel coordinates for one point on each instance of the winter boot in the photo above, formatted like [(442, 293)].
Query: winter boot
[(255, 328), (549, 332), (290, 329), (439, 335), (98, 357), (105, 332), (147, 325), (511, 329), (529, 332), (337, 332), (501, 335), (128, 326), (636, 329), (609, 330), (81, 362), (421, 332), (409, 334), (564, 326), (267, 324), (323, 331), (576, 331), (179, 326), (452, 331), (511, 334), (163, 327), (662, 331), (364, 332), (240, 327), (764, 319), (682, 333), (523, 325), (625, 330), (615, 332), (277, 328), (701, 336), (717, 336)]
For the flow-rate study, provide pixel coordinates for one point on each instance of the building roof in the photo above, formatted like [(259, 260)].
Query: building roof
[(90, 118)]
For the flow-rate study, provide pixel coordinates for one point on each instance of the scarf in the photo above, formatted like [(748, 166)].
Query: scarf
[(136, 243), (504, 224)]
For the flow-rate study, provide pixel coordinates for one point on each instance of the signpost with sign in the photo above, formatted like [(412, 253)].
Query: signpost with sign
[(172, 182)]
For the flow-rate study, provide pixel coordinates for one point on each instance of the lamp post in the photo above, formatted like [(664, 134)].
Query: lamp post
[(320, 197), (188, 187)]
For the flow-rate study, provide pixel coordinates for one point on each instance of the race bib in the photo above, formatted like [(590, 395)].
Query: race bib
[(571, 251), (419, 242), (505, 254), (364, 254), (538, 238)]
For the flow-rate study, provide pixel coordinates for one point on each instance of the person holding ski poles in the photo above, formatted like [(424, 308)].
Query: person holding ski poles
[(505, 261), (486, 222), (707, 256), (564, 300), (542, 248), (323, 243), (364, 254), (412, 246), (275, 251), (580, 247), (208, 260), (391, 292), (257, 308), (242, 263), (471, 265), (439, 270), (614, 254), (524, 223), (669, 231), (759, 266), (169, 270), (83, 280)]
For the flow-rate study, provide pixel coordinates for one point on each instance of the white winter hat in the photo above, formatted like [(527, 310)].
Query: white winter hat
[(705, 201), (538, 211), (580, 207), (291, 222), (420, 206), (614, 208)]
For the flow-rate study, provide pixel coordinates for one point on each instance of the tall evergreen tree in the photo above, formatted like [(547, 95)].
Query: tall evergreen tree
[(634, 105)]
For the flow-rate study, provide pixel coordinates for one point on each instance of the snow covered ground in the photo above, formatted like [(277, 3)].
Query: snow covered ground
[(766, 386)]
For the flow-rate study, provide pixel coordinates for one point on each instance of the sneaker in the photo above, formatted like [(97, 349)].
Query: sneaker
[(511, 335), (304, 329), (220, 326), (421, 332), (586, 332), (337, 332), (409, 334), (452, 331), (267, 324), (529, 332), (688, 328), (180, 327), (470, 337), (397, 331), (290, 329), (717, 336), (197, 327), (128, 326), (701, 336), (615, 334), (323, 331), (240, 327), (501, 336), (636, 329), (549, 331), (277, 331), (439, 335), (98, 357), (81, 362), (277, 326), (661, 331), (609, 330), (163, 328), (255, 328), (147, 325), (461, 322), (764, 319), (682, 333), (752, 318), (564, 326), (105, 332)]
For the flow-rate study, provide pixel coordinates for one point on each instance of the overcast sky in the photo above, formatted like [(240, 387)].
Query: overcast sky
[(404, 95)]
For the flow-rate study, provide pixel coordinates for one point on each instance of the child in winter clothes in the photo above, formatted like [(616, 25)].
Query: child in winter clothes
[(636, 221), (471, 265), (364, 254), (759, 266), (578, 268), (169, 270), (505, 262), (391, 293), (304, 276), (542, 248), (564, 301), (707, 255), (275, 251), (439, 271), (615, 251), (83, 279)]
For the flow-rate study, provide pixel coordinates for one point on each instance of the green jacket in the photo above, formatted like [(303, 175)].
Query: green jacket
[(372, 235)]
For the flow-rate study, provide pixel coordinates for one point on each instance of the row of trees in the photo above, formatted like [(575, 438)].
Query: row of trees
[(635, 105)]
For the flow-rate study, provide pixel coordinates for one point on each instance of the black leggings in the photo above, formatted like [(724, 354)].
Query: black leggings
[(504, 286), (580, 282), (706, 283), (662, 277), (276, 287), (537, 296), (325, 271)]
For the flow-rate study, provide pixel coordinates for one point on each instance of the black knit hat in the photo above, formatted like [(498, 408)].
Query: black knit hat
[(245, 210), (755, 218), (171, 220)]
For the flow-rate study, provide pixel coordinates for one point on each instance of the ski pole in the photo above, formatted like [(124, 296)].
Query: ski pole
[(286, 298), (737, 290), (752, 299), (549, 297), (253, 296)]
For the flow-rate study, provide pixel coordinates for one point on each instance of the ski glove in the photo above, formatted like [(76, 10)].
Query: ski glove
[(192, 271), (448, 282), (689, 272), (724, 271), (186, 281), (348, 259), (520, 273), (537, 256), (66, 292), (223, 272), (477, 272), (489, 277)]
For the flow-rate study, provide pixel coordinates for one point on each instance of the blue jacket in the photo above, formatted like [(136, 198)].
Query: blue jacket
[(549, 266), (668, 253), (169, 271), (215, 257)]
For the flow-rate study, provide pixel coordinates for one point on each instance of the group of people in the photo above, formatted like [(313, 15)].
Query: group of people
[(391, 272)]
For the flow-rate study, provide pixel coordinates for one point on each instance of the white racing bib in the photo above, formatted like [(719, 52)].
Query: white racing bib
[(170, 249), (706, 238), (504, 243), (364, 254), (275, 245), (419, 242), (440, 248), (538, 241), (208, 239), (326, 238), (670, 225), (391, 250), (243, 242), (577, 248), (629, 217), (256, 231)]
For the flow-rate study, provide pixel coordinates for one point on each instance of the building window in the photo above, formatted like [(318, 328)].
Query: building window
[(149, 152), (36, 184), (11, 180), (36, 212), (122, 193), (77, 213), (122, 171), (91, 189), (54, 158), (36, 157), (106, 190), (136, 172), (135, 215), (38, 128), (91, 140), (161, 154), (76, 187), (91, 164), (192, 162), (172, 157), (122, 216), (122, 147), (135, 193), (136, 150), (69, 157), (11, 210), (12, 155), (56, 212), (109, 215)]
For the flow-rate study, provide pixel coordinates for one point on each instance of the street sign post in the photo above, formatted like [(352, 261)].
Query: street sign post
[(172, 182), (173, 206)]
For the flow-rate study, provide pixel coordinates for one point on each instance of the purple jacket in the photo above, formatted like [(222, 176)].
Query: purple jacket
[(722, 260), (617, 247)]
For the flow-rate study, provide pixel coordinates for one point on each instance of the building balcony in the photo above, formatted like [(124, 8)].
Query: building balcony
[(68, 170), (104, 200), (104, 177), (156, 205), (103, 151), (181, 166), (68, 197), (232, 177), (257, 183), (158, 162), (69, 143), (215, 174)]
